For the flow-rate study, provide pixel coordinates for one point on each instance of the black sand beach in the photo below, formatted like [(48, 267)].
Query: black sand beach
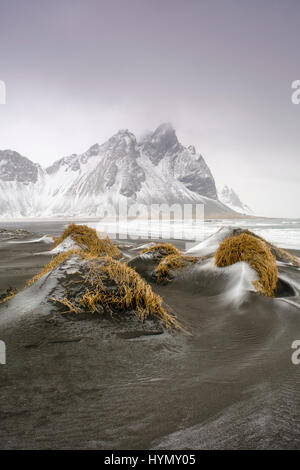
[(100, 383)]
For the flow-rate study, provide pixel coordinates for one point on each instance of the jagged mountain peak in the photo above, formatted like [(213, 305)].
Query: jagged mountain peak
[(165, 134), (231, 195), (162, 141), (165, 128), (228, 196), (192, 149), (120, 145), (121, 135)]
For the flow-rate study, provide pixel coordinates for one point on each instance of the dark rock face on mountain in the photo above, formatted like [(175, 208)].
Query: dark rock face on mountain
[(184, 164), (162, 142), (117, 167), (158, 169), (70, 162), (14, 167)]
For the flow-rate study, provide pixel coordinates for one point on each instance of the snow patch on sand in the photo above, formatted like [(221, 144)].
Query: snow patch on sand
[(67, 244), (210, 244), (35, 299), (44, 239)]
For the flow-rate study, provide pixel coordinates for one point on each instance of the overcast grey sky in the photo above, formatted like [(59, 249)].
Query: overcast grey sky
[(220, 71)]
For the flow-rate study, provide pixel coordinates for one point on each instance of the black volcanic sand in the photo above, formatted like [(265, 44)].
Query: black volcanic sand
[(21, 261), (100, 383)]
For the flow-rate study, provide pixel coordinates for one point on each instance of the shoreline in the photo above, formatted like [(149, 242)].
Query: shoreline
[(110, 219)]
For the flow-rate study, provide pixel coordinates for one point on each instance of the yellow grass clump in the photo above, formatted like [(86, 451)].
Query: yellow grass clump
[(132, 293), (8, 297), (88, 240), (170, 258), (245, 247), (172, 262), (111, 284), (114, 285), (162, 249), (279, 253), (67, 303)]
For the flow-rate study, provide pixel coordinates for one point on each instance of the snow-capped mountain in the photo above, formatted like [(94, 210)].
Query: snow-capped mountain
[(157, 169), (230, 198), (21, 182)]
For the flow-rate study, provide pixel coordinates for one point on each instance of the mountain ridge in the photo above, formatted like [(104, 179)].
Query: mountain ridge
[(156, 169)]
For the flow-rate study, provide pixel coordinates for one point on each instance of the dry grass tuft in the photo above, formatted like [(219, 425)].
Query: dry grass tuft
[(170, 258), (245, 247), (172, 262), (106, 283), (113, 286), (10, 293), (118, 287), (279, 253), (162, 249), (88, 240), (110, 285), (67, 303)]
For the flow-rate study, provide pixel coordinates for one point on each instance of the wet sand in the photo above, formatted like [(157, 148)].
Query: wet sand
[(89, 384)]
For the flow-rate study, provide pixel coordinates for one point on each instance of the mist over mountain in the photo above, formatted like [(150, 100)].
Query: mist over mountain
[(155, 169)]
